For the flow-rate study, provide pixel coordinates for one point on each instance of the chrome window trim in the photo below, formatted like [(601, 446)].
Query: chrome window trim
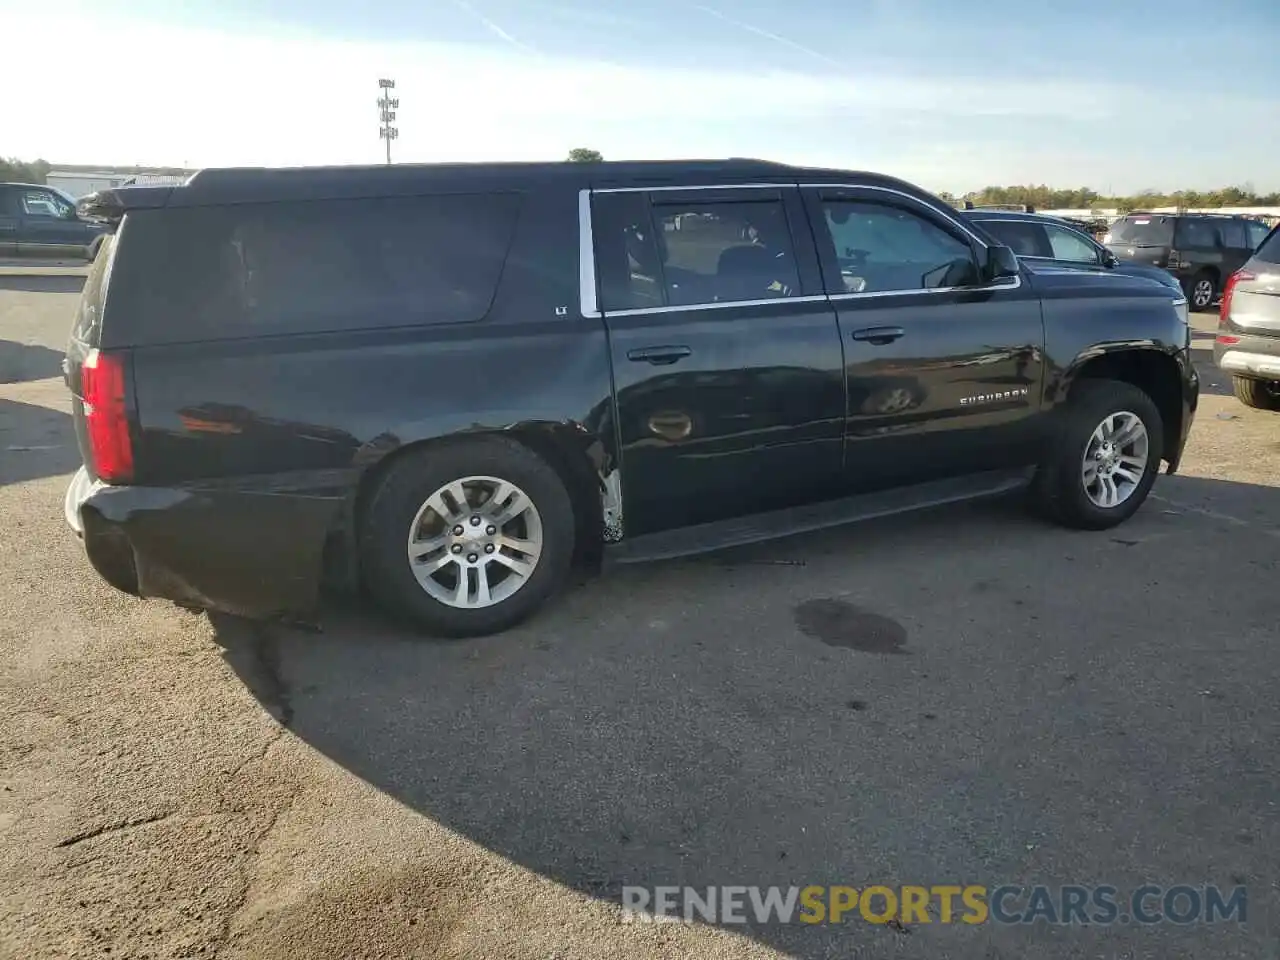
[(680, 308), (953, 220), (591, 308), (1017, 282), (587, 302), (669, 188)]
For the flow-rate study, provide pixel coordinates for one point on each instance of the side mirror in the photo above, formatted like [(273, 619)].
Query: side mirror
[(1002, 262), (1110, 260)]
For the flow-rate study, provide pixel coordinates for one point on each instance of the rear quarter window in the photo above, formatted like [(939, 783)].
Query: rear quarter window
[(87, 325), (247, 270)]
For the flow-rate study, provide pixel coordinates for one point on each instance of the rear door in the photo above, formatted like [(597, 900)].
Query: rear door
[(9, 221), (727, 361), (944, 375), (1254, 307)]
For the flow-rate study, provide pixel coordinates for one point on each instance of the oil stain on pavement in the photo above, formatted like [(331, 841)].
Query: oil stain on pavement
[(838, 623)]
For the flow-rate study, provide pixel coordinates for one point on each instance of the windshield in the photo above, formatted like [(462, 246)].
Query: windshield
[(1153, 231)]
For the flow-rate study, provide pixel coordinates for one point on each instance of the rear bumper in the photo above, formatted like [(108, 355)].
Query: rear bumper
[(249, 553), (1257, 357)]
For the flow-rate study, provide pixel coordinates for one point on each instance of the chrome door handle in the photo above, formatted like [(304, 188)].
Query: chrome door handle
[(659, 356), (878, 335)]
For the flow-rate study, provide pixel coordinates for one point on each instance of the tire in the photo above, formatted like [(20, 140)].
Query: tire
[(1060, 492), (1259, 394), (401, 496), (1202, 291)]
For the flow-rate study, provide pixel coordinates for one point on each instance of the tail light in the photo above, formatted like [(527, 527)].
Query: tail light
[(102, 386), (1225, 310), (1227, 341)]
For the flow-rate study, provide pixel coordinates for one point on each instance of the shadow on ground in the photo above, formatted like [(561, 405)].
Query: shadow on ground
[(35, 442), (42, 283), (1053, 707), (27, 361)]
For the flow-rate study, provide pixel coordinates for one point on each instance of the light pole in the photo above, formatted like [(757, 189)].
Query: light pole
[(387, 106)]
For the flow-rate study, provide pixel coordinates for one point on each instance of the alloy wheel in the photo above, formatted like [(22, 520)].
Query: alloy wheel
[(475, 542), (1115, 459)]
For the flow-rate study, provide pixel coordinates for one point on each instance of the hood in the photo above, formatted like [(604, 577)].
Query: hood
[(1050, 279)]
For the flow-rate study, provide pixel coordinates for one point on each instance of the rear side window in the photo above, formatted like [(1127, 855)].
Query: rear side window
[(1233, 235), (1257, 232), (310, 267), (1197, 233), (689, 254), (1150, 231), (1269, 251)]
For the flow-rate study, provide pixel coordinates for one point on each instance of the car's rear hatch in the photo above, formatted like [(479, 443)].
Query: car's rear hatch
[(100, 380), (1143, 238), (1251, 300)]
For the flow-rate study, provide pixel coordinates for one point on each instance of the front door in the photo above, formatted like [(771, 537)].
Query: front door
[(944, 375), (727, 359), (49, 228)]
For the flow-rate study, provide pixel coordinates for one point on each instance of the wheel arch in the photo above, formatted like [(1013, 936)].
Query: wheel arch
[(577, 455), (1154, 371)]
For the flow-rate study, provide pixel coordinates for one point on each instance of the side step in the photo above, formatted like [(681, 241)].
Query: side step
[(741, 531)]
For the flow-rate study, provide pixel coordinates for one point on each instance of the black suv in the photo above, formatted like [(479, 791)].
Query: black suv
[(449, 383), (1248, 342), (1201, 250), (40, 223)]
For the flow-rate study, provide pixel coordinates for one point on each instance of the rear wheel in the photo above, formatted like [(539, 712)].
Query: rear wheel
[(468, 538), (1104, 458), (1204, 290), (1259, 394)]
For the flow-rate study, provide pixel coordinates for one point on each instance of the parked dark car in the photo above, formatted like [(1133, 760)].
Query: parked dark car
[(1201, 250), (1038, 236), (451, 383), (1248, 342), (40, 223)]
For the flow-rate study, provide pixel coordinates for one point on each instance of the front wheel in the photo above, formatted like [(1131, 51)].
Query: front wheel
[(1104, 459), (468, 538), (1259, 394)]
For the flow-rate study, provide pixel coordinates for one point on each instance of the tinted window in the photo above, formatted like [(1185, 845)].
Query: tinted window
[(259, 269), (1233, 234), (1070, 246), (881, 247), (1269, 251), (1194, 232), (689, 254), (1154, 231), (1257, 232), (1022, 237)]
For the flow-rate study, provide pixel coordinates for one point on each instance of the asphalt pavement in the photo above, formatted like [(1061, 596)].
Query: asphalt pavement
[(963, 696)]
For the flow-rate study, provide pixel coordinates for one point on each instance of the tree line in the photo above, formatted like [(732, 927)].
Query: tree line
[(1082, 198)]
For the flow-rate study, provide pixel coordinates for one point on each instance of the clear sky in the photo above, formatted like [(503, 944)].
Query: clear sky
[(954, 95)]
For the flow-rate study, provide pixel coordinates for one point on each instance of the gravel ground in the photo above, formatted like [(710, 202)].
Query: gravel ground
[(963, 696)]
